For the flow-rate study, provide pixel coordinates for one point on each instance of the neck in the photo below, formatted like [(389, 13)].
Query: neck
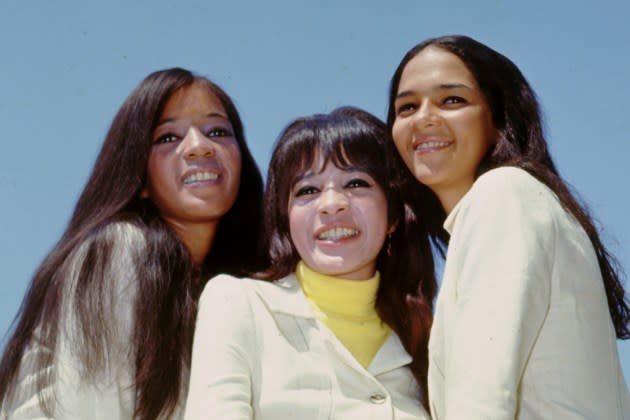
[(197, 238), (449, 197)]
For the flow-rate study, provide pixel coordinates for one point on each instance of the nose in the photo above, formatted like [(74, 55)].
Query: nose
[(332, 201), (427, 115), (196, 145)]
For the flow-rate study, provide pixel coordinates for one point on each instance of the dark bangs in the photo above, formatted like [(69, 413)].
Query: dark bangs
[(347, 140)]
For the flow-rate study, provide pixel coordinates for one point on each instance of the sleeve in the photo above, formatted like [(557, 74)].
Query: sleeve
[(221, 378), (503, 252), (74, 393)]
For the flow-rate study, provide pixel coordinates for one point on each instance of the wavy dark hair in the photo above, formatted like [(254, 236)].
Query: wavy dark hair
[(350, 137), (168, 285), (521, 143)]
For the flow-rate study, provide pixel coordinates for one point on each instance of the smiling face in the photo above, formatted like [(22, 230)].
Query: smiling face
[(443, 126), (338, 221), (195, 163)]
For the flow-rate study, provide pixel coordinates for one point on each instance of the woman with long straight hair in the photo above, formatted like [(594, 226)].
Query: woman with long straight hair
[(105, 330), (531, 303), (340, 327)]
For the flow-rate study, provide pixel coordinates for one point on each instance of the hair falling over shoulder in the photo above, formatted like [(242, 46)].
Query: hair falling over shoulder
[(352, 137), (521, 142), (167, 285)]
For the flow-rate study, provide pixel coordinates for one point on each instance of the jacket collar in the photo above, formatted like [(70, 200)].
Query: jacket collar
[(390, 356), (285, 296)]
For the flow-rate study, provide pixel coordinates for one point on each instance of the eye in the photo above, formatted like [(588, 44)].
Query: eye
[(166, 138), (358, 183), (453, 100), (405, 108), (306, 190), (218, 132)]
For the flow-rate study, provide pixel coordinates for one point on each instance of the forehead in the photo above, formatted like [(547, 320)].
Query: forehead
[(433, 67), (191, 101)]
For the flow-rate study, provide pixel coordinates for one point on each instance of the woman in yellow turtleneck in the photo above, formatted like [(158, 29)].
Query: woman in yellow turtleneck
[(340, 331)]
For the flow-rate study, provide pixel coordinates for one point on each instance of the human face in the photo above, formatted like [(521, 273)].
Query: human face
[(443, 126), (195, 163), (338, 221)]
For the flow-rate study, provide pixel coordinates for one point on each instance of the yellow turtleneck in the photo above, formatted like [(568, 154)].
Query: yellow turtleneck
[(347, 308)]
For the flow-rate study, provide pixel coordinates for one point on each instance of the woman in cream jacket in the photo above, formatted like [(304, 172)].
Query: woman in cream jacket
[(341, 332), (531, 304), (105, 330)]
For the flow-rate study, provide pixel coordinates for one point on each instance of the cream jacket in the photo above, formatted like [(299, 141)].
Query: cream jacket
[(522, 328), (260, 353), (111, 395)]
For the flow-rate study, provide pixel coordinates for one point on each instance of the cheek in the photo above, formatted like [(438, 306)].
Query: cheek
[(398, 133), (234, 157), (155, 171)]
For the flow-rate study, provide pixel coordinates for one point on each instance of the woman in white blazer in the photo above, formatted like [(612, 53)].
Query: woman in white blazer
[(531, 302), (105, 330), (341, 330)]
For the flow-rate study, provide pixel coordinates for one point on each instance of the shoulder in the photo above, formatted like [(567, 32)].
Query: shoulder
[(283, 295), (508, 180), (125, 235), (114, 248), (508, 189), (225, 285), (506, 197)]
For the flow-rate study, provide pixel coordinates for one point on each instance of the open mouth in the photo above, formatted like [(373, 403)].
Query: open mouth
[(337, 233), (201, 176), (431, 145)]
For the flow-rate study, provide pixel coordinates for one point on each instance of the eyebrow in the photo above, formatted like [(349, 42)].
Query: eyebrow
[(209, 115), (311, 174), (443, 86)]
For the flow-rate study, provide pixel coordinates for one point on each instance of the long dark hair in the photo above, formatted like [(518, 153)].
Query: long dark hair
[(517, 118), (167, 286), (352, 137)]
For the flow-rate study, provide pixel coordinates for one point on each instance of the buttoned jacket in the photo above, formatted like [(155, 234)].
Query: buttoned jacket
[(260, 353), (522, 328)]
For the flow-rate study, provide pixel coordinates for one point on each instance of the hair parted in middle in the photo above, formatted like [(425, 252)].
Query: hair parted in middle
[(168, 285), (351, 137), (521, 143)]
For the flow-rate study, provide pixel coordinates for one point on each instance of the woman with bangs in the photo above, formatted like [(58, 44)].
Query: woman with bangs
[(105, 330), (339, 328)]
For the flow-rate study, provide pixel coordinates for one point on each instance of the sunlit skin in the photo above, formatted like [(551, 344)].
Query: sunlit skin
[(443, 126), (338, 221), (194, 167)]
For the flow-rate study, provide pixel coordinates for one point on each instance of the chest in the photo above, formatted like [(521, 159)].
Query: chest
[(304, 372)]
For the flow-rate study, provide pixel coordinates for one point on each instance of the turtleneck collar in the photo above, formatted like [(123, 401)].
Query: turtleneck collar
[(334, 295)]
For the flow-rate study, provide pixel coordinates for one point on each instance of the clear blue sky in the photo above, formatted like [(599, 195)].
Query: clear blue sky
[(67, 66)]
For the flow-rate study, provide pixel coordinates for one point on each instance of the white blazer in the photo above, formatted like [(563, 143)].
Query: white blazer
[(111, 396), (260, 353), (522, 328)]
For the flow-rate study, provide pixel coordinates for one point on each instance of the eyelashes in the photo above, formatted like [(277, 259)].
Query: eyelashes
[(352, 184), (213, 132), (448, 102)]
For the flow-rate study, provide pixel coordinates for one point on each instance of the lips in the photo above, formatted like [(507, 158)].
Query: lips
[(336, 233)]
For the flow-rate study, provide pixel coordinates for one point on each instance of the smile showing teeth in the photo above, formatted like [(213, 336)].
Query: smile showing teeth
[(201, 176), (337, 233), (431, 145)]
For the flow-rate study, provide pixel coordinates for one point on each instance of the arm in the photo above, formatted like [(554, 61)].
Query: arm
[(503, 252), (221, 380)]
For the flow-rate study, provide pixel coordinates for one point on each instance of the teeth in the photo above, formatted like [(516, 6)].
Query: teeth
[(431, 145), (201, 176), (335, 234)]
